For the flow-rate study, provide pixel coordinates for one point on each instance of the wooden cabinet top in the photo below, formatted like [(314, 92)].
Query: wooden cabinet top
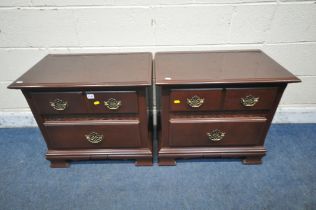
[(221, 67), (88, 70)]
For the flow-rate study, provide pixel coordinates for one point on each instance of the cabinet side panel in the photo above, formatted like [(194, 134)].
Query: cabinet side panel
[(37, 116)]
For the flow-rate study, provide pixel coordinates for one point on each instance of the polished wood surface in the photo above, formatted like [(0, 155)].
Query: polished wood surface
[(128, 99), (251, 155), (233, 97), (75, 102), (221, 67), (224, 80), (222, 98), (238, 131), (88, 71), (60, 158), (72, 134), (128, 133), (212, 99), (183, 134), (88, 84)]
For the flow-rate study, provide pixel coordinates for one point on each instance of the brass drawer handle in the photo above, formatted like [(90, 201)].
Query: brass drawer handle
[(216, 135), (195, 101), (58, 104), (94, 137), (249, 100), (113, 104)]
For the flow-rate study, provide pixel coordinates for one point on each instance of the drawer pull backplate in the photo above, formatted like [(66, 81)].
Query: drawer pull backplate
[(113, 104), (249, 100), (195, 101), (216, 135), (94, 137), (58, 104)]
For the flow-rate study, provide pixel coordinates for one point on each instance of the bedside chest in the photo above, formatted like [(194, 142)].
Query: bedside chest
[(91, 106), (217, 104)]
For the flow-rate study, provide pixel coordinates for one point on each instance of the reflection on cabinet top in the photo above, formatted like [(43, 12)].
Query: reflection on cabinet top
[(220, 67), (88, 70)]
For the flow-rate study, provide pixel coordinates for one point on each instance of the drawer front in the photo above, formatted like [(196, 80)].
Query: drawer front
[(112, 101), (216, 132), (59, 102), (76, 135), (195, 99), (249, 98)]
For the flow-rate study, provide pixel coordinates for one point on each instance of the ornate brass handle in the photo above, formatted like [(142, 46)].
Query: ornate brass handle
[(58, 104), (249, 100), (195, 101), (94, 137), (113, 104), (216, 135)]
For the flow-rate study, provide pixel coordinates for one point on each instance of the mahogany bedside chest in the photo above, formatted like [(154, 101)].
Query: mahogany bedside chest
[(217, 104), (91, 106)]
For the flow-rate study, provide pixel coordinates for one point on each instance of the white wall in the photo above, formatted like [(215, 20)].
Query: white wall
[(286, 30)]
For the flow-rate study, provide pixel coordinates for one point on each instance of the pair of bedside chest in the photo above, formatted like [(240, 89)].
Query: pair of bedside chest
[(210, 104)]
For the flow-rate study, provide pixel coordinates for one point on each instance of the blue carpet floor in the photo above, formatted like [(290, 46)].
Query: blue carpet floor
[(285, 180)]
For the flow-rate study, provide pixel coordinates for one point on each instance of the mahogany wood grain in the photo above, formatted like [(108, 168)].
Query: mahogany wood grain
[(144, 119), (129, 103), (75, 100), (219, 67), (166, 161), (144, 162), (143, 156), (126, 77), (88, 71), (59, 164), (71, 135), (252, 160), (167, 156), (238, 131), (266, 97), (237, 74), (212, 99)]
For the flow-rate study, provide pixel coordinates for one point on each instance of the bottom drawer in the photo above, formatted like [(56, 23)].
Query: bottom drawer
[(216, 132), (93, 135)]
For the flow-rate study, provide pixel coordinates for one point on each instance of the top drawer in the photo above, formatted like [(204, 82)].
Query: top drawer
[(59, 102), (112, 101), (77, 102), (249, 98), (212, 99), (195, 99)]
